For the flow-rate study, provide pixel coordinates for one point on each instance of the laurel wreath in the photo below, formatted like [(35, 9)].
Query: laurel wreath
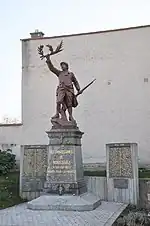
[(51, 50)]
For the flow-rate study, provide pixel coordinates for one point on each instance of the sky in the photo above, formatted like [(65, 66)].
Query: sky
[(54, 17)]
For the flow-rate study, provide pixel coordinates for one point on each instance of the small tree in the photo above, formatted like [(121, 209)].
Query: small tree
[(7, 161)]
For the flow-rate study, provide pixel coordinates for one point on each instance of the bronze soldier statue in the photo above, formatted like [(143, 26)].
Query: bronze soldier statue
[(66, 98)]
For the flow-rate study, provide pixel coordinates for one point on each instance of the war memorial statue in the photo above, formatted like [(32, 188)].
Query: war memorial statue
[(55, 179), (64, 168), (66, 99)]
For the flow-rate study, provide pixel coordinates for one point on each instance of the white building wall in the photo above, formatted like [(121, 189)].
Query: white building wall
[(115, 109), (10, 134)]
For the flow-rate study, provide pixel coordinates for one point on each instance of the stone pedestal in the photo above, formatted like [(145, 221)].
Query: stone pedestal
[(84, 202), (122, 172), (65, 173), (65, 188)]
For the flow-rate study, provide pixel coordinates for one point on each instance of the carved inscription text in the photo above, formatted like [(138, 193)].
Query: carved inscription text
[(120, 161)]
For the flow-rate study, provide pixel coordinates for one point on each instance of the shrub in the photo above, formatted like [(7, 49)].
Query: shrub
[(7, 161), (134, 219)]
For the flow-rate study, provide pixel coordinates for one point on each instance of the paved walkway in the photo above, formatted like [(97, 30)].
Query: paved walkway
[(19, 215)]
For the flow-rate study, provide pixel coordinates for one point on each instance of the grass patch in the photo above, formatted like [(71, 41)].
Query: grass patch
[(9, 190)]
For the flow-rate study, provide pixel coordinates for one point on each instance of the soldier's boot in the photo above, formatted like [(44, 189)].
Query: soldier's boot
[(71, 119), (57, 111), (55, 116)]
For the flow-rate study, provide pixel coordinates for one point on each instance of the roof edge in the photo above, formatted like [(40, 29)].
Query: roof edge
[(10, 124), (87, 33)]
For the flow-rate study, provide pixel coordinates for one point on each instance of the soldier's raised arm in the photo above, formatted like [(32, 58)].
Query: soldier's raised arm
[(51, 66)]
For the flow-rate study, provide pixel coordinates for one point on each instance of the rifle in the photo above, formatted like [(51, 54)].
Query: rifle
[(82, 90)]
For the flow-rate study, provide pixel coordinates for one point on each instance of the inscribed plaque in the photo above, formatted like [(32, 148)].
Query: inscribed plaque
[(35, 161), (120, 162), (61, 166), (34, 167), (121, 183), (62, 160)]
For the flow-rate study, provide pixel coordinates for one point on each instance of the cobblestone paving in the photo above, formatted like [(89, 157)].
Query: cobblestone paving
[(19, 215)]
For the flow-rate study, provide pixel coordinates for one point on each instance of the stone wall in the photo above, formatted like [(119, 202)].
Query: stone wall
[(98, 186), (33, 168), (144, 192)]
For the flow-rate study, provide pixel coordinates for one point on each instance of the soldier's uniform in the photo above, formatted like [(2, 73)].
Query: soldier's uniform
[(65, 90)]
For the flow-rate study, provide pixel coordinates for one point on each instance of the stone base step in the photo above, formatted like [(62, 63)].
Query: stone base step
[(84, 202)]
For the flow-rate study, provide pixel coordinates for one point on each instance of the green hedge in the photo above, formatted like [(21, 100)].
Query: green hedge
[(95, 173), (143, 173)]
